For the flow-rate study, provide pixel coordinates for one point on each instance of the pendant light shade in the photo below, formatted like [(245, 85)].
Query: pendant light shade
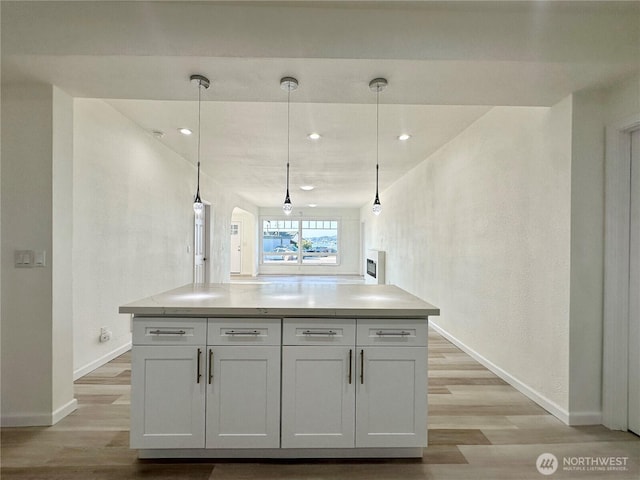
[(377, 85), (289, 84), (202, 82), (377, 206)]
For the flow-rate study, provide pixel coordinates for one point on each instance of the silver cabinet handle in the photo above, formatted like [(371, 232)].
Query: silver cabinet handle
[(319, 332), (402, 333), (350, 364), (167, 332), (361, 367), (210, 365), (198, 374), (242, 332)]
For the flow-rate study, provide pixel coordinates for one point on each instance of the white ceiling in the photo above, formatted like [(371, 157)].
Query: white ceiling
[(447, 63)]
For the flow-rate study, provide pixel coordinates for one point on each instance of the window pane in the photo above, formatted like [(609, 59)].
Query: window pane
[(280, 241), (320, 242)]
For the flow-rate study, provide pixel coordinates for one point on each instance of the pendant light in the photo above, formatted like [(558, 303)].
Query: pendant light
[(202, 82), (289, 84), (377, 85)]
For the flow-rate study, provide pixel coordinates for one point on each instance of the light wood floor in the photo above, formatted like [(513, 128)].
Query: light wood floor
[(480, 428)]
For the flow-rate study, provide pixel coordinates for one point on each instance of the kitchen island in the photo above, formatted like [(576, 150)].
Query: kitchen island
[(279, 371)]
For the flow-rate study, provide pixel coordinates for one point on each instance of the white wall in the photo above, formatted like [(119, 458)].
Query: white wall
[(349, 241), (131, 235), (622, 99), (248, 242), (482, 230), (36, 376), (592, 110), (133, 224), (61, 258), (587, 262)]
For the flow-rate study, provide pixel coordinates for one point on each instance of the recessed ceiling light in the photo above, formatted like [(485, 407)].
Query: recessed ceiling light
[(307, 187), (157, 133), (404, 136), (313, 136), (313, 205), (185, 131)]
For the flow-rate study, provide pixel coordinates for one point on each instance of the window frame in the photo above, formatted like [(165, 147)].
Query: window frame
[(300, 260)]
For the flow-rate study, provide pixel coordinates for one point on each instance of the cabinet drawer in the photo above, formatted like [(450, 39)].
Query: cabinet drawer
[(169, 331), (380, 332), (318, 331), (244, 331)]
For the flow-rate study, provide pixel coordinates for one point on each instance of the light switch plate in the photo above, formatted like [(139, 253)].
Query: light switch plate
[(39, 258), (23, 258)]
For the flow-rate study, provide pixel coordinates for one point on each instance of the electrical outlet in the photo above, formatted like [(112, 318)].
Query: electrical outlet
[(105, 335)]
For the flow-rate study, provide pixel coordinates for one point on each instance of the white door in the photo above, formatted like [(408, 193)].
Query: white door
[(167, 397), (199, 244), (236, 247), (318, 403), (634, 288), (243, 397), (391, 397)]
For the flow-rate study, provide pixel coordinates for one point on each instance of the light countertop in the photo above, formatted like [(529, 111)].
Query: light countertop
[(283, 299)]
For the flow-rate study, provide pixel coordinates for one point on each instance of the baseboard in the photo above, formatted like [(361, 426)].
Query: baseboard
[(585, 418), (26, 420), (63, 411), (39, 419), (283, 453), (550, 406), (90, 367)]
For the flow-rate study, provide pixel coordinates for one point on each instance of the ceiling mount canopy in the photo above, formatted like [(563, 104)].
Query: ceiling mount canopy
[(377, 85), (202, 82), (288, 84)]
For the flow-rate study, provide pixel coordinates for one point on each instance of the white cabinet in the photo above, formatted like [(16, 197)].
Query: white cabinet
[(257, 385), (391, 397), (391, 394), (318, 385), (167, 383), (167, 397), (369, 390), (243, 383), (243, 397)]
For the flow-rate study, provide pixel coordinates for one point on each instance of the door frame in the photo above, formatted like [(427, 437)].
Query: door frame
[(208, 225), (615, 367), (240, 234)]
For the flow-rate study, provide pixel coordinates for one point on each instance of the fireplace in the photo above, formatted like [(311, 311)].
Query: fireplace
[(371, 267), (375, 267)]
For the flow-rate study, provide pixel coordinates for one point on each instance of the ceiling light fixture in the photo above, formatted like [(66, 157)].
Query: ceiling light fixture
[(313, 136), (404, 136), (184, 130), (307, 188), (201, 81), (377, 85), (288, 84), (313, 205)]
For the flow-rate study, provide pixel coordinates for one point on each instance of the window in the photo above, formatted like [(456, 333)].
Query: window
[(295, 242)]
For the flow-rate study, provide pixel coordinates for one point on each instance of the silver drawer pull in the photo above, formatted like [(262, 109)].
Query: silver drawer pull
[(167, 332), (243, 332), (319, 332), (382, 333)]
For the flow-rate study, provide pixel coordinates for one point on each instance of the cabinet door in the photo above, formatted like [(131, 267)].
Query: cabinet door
[(243, 397), (391, 398), (318, 397), (167, 397)]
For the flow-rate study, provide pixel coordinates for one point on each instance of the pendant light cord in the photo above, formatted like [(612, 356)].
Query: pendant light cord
[(199, 93), (288, 131), (377, 134)]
